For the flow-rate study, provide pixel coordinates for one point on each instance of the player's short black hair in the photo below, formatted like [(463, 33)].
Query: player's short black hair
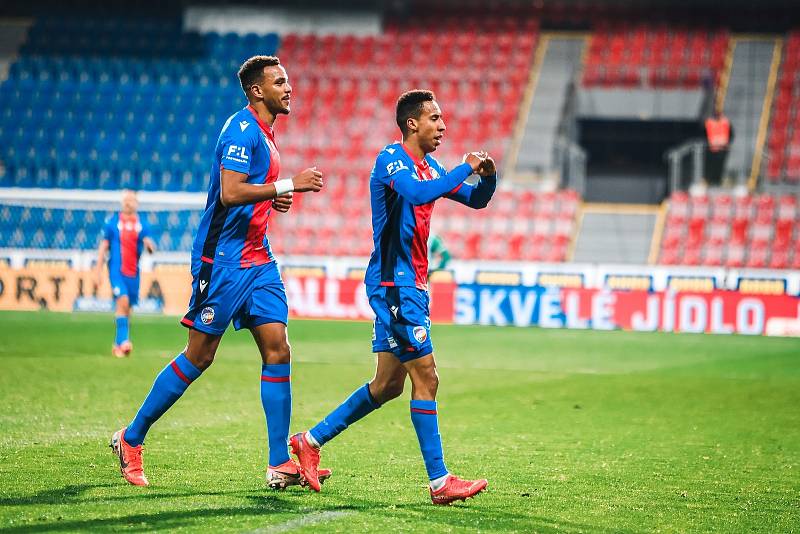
[(252, 70), (409, 106)]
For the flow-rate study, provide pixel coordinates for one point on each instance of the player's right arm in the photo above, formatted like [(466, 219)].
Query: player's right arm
[(237, 148), (235, 191), (102, 250), (399, 177)]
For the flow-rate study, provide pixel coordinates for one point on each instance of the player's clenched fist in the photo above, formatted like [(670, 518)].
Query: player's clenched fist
[(308, 180), (487, 167), (474, 159), (283, 202)]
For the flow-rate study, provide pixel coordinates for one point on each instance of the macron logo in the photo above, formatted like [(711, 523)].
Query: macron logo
[(243, 125), (203, 284), (390, 150)]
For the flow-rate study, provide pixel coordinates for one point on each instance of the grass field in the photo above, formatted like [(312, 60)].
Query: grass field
[(576, 431)]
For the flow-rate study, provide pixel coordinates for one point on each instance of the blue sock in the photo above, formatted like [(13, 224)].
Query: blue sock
[(122, 331), (276, 398), (357, 405), (168, 387), (426, 423)]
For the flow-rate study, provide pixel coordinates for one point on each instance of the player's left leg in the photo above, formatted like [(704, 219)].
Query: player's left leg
[(266, 313), (444, 487), (390, 376), (276, 387), (122, 313), (132, 299)]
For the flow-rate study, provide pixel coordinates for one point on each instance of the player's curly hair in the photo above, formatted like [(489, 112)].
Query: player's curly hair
[(252, 71), (409, 106)]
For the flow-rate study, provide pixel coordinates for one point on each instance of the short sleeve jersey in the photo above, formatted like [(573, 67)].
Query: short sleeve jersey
[(236, 236), (125, 235)]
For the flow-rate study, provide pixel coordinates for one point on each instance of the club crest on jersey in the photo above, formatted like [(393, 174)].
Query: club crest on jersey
[(207, 315), (420, 334)]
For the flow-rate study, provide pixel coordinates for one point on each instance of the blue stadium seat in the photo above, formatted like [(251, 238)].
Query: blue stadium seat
[(115, 82)]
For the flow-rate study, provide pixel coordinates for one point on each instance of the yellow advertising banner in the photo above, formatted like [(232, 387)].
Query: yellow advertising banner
[(56, 288)]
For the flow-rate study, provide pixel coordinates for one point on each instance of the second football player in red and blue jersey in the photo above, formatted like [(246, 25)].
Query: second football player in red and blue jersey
[(405, 183)]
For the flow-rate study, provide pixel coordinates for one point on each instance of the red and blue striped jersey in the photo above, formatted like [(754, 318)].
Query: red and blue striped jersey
[(125, 235), (236, 236), (403, 190)]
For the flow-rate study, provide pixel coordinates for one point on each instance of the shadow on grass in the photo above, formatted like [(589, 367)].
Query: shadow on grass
[(261, 506), (73, 494), (475, 515)]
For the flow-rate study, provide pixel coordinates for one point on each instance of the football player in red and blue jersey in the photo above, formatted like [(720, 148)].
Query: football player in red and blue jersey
[(125, 236), (405, 183), (235, 277)]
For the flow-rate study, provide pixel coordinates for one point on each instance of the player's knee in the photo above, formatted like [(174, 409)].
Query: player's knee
[(202, 360), (387, 390), (430, 381), (123, 306), (280, 352)]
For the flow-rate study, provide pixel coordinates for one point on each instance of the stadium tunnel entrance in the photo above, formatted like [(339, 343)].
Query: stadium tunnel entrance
[(626, 158)]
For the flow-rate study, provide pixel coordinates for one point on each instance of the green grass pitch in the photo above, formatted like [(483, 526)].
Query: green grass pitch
[(577, 431)]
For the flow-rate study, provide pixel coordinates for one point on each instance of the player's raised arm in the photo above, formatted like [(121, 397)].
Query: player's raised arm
[(478, 196), (418, 192), (236, 191)]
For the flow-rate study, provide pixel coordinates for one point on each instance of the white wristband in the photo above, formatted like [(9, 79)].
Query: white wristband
[(283, 186)]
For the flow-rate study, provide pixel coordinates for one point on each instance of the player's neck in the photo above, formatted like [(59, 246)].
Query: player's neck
[(263, 113), (414, 149)]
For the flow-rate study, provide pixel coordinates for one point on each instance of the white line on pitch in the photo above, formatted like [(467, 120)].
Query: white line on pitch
[(306, 520)]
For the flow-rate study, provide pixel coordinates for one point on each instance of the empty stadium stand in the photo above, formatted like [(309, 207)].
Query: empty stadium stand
[(111, 103), (53, 228), (654, 55), (783, 143), (758, 231), (118, 103), (134, 106)]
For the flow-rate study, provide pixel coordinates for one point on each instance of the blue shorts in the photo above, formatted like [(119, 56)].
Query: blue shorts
[(402, 321), (247, 296), (125, 286)]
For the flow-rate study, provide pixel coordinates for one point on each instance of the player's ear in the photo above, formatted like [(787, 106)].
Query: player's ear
[(411, 125), (256, 90)]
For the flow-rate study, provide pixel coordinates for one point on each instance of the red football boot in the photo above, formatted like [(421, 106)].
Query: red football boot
[(455, 489), (130, 459), (126, 347), (308, 458), (288, 474)]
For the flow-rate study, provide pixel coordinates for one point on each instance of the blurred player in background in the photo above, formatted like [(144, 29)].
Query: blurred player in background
[(125, 236), (438, 255), (235, 277), (405, 183)]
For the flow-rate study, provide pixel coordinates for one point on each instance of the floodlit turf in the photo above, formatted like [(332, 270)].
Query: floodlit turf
[(576, 431)]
